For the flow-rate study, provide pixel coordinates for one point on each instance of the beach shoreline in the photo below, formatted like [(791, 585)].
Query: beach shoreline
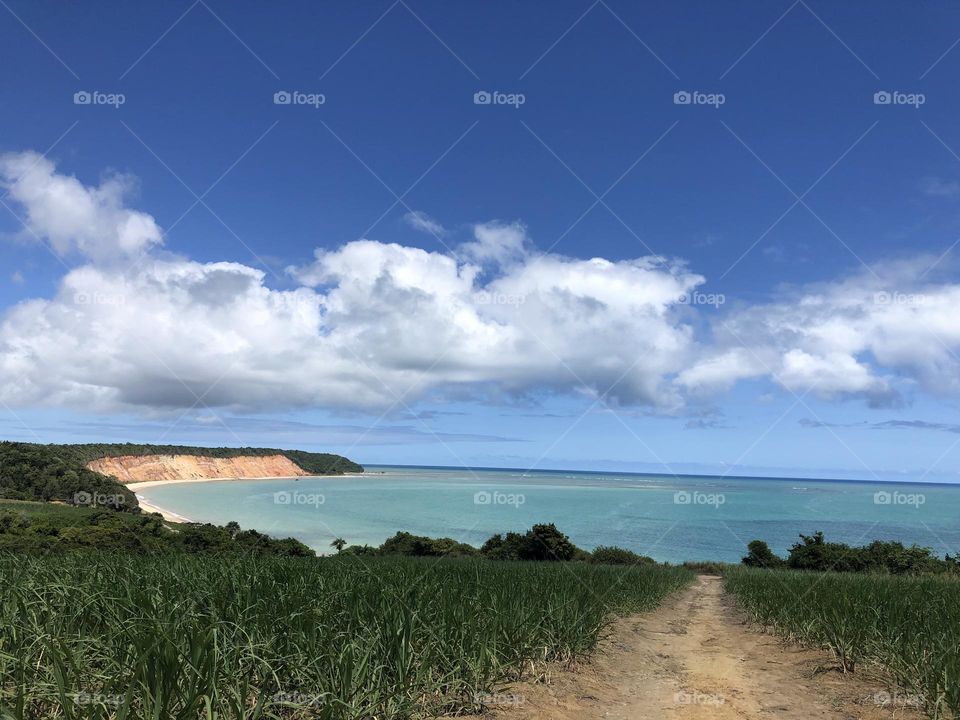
[(170, 516)]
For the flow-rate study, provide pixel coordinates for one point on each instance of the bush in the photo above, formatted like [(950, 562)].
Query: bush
[(610, 555), (540, 543), (403, 543), (760, 555), (813, 552)]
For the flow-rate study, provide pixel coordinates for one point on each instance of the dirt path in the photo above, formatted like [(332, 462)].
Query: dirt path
[(693, 658)]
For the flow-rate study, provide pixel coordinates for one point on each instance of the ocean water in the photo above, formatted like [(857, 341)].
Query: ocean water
[(668, 518)]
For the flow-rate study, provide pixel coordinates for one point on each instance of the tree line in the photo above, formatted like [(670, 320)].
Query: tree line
[(813, 552)]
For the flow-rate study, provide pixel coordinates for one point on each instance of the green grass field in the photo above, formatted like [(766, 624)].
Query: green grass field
[(908, 625), (61, 515), (103, 635)]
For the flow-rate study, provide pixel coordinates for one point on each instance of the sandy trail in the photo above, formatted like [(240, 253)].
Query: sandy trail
[(694, 657)]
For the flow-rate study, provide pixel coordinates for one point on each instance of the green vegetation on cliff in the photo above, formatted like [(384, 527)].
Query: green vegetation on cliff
[(30, 471), (313, 463), (53, 473)]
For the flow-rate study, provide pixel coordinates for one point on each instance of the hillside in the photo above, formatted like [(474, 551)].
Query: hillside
[(311, 462), (30, 471)]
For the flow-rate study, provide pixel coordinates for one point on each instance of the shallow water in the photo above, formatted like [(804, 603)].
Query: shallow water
[(668, 518)]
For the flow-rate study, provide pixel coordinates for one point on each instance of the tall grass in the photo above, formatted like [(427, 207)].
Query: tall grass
[(908, 625), (97, 636)]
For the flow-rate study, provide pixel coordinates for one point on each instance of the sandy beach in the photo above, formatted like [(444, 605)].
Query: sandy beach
[(171, 516)]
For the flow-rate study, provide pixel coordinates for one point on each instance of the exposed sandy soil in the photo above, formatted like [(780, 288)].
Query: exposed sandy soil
[(129, 469), (693, 658)]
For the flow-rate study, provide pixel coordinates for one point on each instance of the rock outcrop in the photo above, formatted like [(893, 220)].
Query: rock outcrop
[(140, 468)]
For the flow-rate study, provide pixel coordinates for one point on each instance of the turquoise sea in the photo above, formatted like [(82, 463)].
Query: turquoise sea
[(669, 518)]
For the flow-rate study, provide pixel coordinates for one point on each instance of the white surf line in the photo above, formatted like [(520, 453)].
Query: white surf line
[(147, 506)]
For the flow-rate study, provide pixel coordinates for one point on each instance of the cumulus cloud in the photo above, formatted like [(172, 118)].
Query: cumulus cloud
[(73, 217), (373, 324), (870, 335)]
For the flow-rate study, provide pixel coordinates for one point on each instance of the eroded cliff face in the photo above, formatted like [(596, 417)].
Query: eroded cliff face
[(141, 468)]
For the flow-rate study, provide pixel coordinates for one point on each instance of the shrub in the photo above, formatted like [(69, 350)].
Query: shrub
[(760, 555), (610, 555)]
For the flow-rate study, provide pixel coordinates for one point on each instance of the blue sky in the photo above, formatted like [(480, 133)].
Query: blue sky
[(822, 220)]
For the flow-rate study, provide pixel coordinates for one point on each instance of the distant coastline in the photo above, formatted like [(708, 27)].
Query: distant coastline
[(692, 476)]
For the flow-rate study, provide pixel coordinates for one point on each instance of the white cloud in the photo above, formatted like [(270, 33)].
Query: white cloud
[(497, 243), (73, 217), (419, 220), (373, 323), (872, 335)]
